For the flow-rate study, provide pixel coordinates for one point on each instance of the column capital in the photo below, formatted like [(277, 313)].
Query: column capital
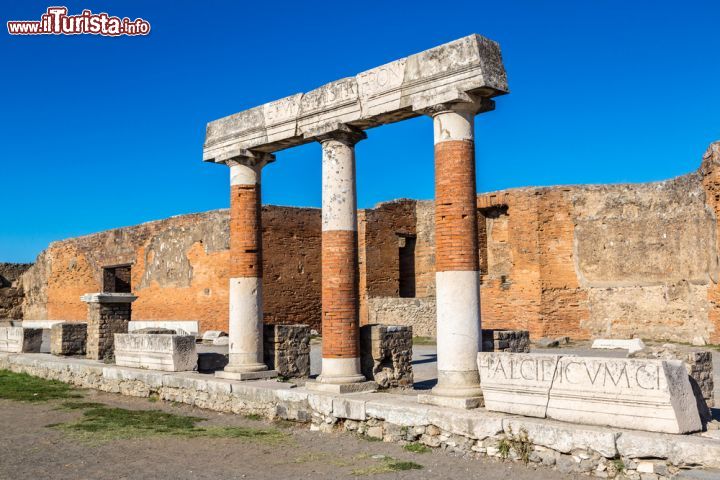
[(248, 158), (336, 131), (472, 105)]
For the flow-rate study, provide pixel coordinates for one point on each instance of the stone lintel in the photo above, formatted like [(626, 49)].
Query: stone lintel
[(108, 298), (242, 376), (456, 71), (341, 388), (464, 403)]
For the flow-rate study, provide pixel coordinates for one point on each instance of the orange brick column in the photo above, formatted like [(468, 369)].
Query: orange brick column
[(246, 300), (457, 276), (340, 295)]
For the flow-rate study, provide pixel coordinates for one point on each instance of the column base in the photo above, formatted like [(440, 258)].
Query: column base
[(357, 387), (246, 375), (464, 403)]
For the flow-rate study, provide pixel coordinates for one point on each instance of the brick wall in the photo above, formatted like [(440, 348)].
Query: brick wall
[(180, 269)]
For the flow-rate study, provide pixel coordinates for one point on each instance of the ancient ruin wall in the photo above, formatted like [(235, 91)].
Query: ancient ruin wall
[(180, 269), (586, 261), (11, 290)]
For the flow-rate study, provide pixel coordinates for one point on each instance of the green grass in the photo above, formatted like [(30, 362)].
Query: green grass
[(103, 423), (424, 341), (22, 387), (389, 465), (253, 416), (416, 447)]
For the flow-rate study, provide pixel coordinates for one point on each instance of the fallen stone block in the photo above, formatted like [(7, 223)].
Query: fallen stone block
[(170, 353), (286, 349), (68, 339), (20, 340), (221, 342), (632, 345), (545, 342), (642, 394), (517, 383), (209, 336), (386, 355), (181, 327)]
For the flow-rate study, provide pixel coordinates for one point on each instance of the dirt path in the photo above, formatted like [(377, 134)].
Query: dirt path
[(31, 449)]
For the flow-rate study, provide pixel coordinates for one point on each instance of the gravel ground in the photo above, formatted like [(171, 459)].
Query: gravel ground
[(32, 450)]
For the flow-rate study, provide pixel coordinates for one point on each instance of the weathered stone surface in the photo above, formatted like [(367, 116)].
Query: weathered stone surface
[(631, 345), (286, 349), (210, 335), (20, 340), (386, 355), (517, 383), (500, 340), (68, 338), (454, 71), (170, 353), (181, 327), (653, 395)]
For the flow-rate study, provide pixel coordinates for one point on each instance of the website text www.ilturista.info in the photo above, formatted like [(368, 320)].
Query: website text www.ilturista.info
[(56, 21)]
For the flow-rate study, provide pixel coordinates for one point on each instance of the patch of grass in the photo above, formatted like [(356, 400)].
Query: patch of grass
[(504, 448), (618, 464), (368, 438), (416, 447), (253, 416), (522, 445), (103, 423), (389, 465), (153, 398), (79, 405), (424, 341), (25, 388)]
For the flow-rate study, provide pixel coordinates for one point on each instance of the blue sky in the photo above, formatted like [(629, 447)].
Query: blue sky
[(98, 132)]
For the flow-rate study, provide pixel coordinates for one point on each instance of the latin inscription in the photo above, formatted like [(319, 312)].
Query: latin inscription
[(601, 373)]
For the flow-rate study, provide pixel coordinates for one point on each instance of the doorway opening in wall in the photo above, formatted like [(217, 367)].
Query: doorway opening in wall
[(116, 279), (406, 252), (493, 247)]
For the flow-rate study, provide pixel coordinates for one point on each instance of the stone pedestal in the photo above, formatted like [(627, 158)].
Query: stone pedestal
[(108, 314), (165, 352), (20, 340), (287, 350), (386, 355), (68, 339)]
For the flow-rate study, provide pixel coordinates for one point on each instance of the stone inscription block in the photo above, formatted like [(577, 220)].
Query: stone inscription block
[(20, 340), (169, 353), (644, 394), (517, 383)]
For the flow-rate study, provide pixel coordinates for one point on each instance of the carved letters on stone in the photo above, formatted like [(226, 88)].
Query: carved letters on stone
[(456, 71), (645, 394)]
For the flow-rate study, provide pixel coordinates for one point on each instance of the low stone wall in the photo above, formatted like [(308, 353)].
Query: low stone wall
[(68, 339), (287, 349), (598, 451), (386, 355)]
